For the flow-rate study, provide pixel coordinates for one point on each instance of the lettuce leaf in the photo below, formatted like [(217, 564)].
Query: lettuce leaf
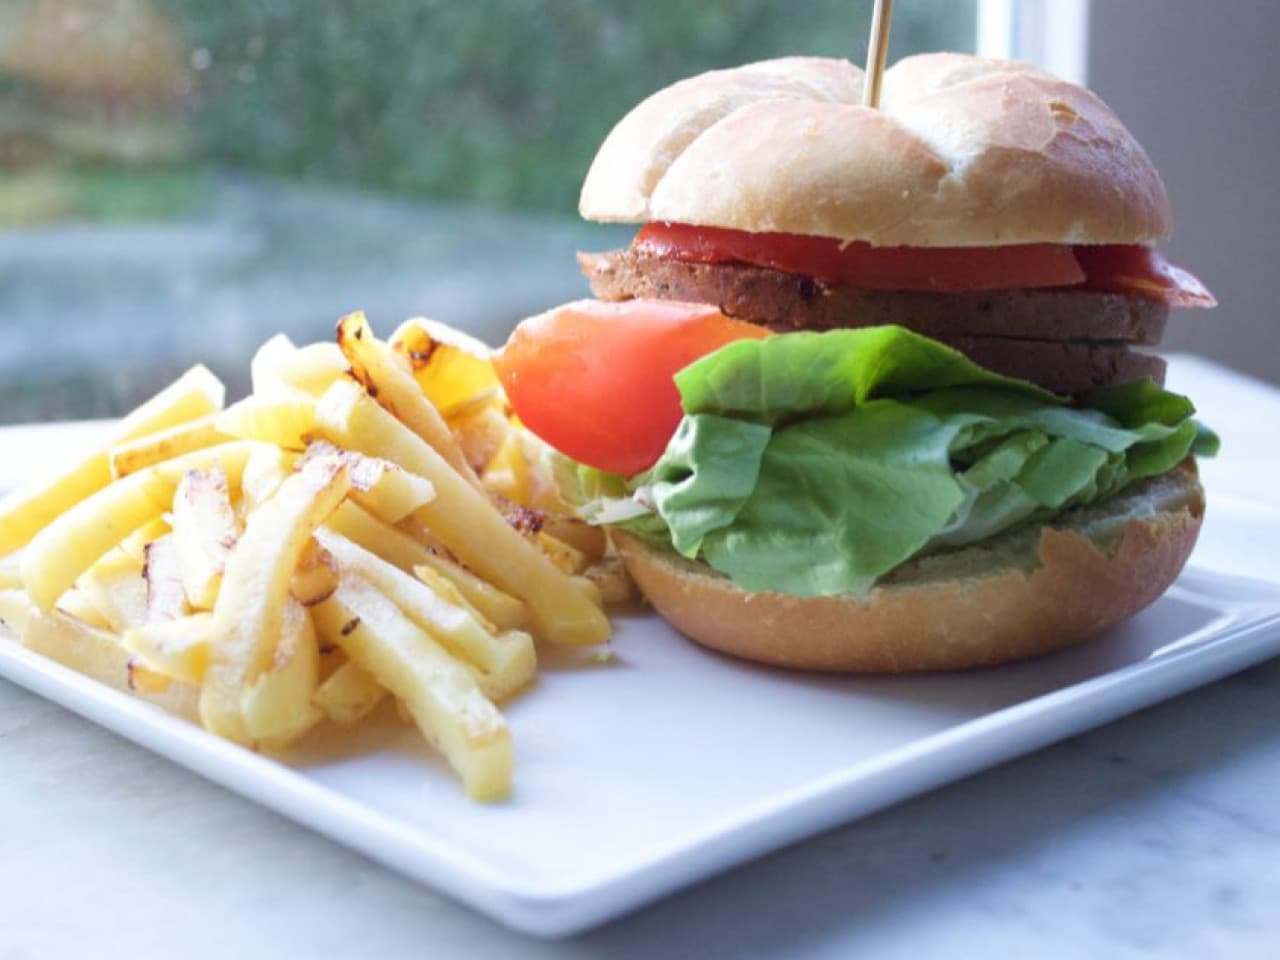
[(811, 374), (814, 464)]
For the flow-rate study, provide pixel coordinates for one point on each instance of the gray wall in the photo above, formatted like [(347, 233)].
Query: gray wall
[(1198, 83)]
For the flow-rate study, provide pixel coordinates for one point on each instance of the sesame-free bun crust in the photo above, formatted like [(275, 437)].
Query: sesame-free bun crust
[(1017, 595), (965, 151)]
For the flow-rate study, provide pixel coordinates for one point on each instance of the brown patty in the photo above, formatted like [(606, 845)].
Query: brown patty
[(1068, 341)]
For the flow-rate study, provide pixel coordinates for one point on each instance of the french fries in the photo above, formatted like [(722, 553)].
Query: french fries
[(393, 387), (28, 510), (267, 363), (286, 419), (166, 598), (78, 604), (177, 648), (15, 610), (314, 550), (505, 663), (70, 544), (381, 487), (277, 705), (118, 589), (349, 694), (440, 693), (452, 369), (266, 468), (464, 519), (499, 608), (97, 654), (390, 543), (249, 611), (130, 457), (280, 367), (315, 577), (204, 531)]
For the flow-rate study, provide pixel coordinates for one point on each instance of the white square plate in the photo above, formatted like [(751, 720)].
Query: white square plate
[(638, 776)]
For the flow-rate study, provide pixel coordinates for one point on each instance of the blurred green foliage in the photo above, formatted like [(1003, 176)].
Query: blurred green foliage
[(495, 102)]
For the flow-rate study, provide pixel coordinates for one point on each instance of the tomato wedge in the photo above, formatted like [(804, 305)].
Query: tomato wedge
[(594, 379), (942, 269), (1118, 268)]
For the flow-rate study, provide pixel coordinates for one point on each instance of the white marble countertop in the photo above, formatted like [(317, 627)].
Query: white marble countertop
[(1158, 835)]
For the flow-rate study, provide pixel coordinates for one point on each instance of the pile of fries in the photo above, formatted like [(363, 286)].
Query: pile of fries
[(368, 523)]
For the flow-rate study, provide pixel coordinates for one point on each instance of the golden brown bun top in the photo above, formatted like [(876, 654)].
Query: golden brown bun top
[(965, 151)]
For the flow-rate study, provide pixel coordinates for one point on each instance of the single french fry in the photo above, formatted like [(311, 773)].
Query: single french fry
[(391, 544), (204, 531), (15, 609), (314, 367), (166, 598), (277, 705), (349, 694), (117, 588), (588, 540), (414, 527), (279, 367), (96, 654), (612, 581), (387, 380), (449, 623), (451, 367), (568, 559), (499, 607), (512, 659), (508, 474), (444, 588), (182, 438), (179, 649), (255, 586), (69, 545), (481, 434), (265, 368), (440, 692), (135, 544), (315, 577), (466, 522), (144, 678), (28, 510), (78, 604), (385, 489), (284, 419), (588, 588), (266, 468)]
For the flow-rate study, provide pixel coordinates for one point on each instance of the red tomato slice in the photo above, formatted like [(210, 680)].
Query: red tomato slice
[(1143, 272), (943, 269), (594, 379), (1118, 268)]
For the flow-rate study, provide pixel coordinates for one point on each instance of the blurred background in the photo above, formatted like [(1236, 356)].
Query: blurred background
[(181, 178)]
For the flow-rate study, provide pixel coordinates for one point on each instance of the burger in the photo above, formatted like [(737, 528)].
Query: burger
[(867, 391)]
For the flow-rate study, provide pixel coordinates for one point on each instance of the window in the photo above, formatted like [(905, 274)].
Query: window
[(179, 179)]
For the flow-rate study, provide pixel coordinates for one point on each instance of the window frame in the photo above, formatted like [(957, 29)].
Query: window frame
[(1052, 34)]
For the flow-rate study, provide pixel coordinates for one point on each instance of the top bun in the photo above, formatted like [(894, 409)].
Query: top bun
[(965, 151)]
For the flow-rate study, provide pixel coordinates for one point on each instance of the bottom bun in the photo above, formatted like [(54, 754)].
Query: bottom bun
[(1017, 595)]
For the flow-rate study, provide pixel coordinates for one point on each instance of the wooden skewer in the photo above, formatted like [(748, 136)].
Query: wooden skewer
[(877, 53)]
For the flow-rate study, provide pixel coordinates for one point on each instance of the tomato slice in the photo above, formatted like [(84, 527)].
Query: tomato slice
[(1142, 272), (1117, 268), (942, 269), (594, 379)]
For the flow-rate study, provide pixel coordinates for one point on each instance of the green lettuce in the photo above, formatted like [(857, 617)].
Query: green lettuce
[(813, 464)]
